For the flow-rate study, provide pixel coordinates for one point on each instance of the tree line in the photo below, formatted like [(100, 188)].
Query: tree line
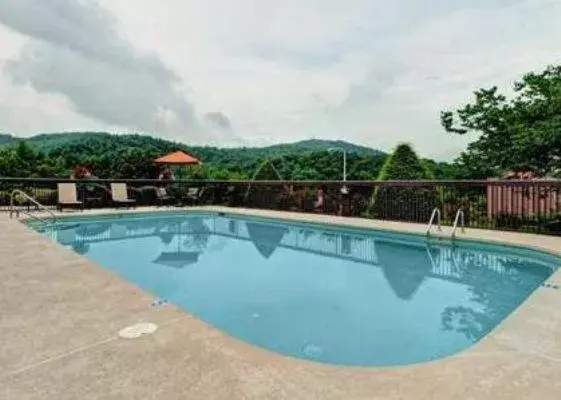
[(132, 157)]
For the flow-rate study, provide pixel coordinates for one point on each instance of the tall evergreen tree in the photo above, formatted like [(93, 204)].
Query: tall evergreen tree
[(403, 203)]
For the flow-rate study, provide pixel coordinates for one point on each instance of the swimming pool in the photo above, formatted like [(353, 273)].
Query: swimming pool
[(338, 296)]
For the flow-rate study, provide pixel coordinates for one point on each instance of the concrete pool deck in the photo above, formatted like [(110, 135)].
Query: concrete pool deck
[(60, 314)]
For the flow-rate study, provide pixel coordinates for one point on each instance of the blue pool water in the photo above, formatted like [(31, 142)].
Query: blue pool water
[(325, 294)]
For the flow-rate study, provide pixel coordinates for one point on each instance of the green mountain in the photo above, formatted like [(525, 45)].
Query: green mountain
[(131, 156), (322, 145), (48, 142)]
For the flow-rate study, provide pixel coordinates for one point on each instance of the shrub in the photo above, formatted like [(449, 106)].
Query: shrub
[(403, 203)]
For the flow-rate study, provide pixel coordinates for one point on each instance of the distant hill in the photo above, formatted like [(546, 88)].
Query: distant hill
[(132, 156), (312, 145), (6, 139), (52, 141)]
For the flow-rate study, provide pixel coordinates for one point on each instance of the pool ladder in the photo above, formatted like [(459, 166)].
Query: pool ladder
[(459, 220), (39, 206), (435, 214), (460, 217)]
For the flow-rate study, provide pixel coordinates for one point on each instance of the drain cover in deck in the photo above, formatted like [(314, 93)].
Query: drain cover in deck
[(138, 330)]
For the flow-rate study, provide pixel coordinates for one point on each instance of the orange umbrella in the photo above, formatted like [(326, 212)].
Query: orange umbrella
[(177, 158)]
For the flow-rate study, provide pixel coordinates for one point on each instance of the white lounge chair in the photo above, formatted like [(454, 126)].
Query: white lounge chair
[(67, 196), (119, 195)]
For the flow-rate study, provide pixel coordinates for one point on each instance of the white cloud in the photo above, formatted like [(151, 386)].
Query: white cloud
[(371, 71)]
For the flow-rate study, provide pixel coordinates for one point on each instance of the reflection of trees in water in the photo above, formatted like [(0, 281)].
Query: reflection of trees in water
[(495, 289), (266, 237), (81, 248), (193, 231), (219, 244), (167, 229), (166, 237), (329, 237), (306, 233), (485, 289), (233, 226), (404, 267), (91, 230), (191, 238), (346, 242), (199, 233)]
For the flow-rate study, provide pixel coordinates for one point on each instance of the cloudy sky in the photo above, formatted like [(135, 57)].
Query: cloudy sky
[(256, 72)]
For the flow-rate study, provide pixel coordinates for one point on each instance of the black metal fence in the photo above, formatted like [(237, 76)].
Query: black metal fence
[(527, 206)]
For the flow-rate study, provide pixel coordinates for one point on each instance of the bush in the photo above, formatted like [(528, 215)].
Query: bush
[(403, 203)]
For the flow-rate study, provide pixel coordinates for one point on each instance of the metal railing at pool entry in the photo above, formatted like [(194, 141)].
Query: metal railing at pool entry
[(460, 217), (38, 205), (435, 214)]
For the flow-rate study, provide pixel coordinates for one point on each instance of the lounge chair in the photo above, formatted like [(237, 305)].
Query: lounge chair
[(194, 196), (162, 197), (119, 195), (67, 196)]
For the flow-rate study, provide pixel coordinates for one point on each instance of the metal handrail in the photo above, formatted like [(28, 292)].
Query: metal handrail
[(460, 217), (435, 213), (31, 199)]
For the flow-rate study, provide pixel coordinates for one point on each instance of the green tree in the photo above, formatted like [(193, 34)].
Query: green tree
[(197, 172), (267, 171), (519, 134), (403, 203), (22, 160), (263, 196), (404, 164)]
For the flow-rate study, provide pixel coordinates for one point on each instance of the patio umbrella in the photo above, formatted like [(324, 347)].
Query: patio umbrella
[(178, 158)]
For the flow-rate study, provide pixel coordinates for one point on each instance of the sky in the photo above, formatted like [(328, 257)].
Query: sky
[(257, 72)]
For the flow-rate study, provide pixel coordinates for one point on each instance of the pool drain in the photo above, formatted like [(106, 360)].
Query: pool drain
[(138, 330)]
